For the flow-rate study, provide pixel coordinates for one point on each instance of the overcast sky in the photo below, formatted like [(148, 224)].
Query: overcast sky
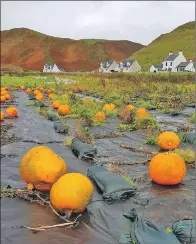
[(116, 20)]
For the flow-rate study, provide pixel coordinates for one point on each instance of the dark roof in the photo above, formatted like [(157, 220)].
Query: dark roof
[(172, 57), (127, 63), (182, 64), (107, 63), (158, 66)]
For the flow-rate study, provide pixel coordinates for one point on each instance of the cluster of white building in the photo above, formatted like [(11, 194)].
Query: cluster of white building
[(174, 62)]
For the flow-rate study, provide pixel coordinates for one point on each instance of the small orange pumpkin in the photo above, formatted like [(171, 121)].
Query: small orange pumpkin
[(100, 116), (64, 109), (3, 99), (168, 140), (22, 87), (2, 116), (109, 107), (129, 107), (142, 112), (167, 169), (39, 97), (28, 91), (64, 96), (41, 167), (3, 93), (11, 112), (56, 104), (73, 191), (36, 92), (7, 96)]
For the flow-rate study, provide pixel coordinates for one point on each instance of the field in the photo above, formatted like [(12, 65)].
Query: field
[(122, 115)]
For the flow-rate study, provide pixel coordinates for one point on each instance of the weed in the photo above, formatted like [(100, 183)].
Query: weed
[(192, 118), (187, 154), (127, 127)]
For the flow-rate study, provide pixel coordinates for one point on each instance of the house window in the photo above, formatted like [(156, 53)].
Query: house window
[(171, 63), (166, 64)]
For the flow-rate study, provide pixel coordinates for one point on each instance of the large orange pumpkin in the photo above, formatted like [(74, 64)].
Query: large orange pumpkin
[(3, 99), (100, 116), (64, 109), (168, 140), (11, 112), (73, 191), (41, 167), (142, 112), (28, 91), (2, 116), (167, 169), (56, 104)]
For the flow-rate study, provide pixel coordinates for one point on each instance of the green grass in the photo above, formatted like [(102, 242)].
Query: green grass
[(182, 38), (192, 118)]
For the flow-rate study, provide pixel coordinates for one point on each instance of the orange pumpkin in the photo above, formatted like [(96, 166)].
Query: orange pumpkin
[(7, 96), (3, 99), (129, 107), (64, 109), (168, 140), (3, 93), (56, 104), (11, 112), (41, 167), (73, 191), (142, 112), (109, 107), (64, 96), (36, 92), (52, 96), (2, 116), (167, 169), (39, 97), (28, 91), (48, 91), (100, 116), (22, 87)]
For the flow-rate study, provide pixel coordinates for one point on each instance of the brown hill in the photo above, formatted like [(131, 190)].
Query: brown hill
[(31, 50)]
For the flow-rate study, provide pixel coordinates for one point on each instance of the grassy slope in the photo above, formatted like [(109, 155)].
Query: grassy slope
[(181, 38), (31, 50)]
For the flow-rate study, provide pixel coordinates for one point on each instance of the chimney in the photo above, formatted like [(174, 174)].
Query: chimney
[(170, 53), (180, 52)]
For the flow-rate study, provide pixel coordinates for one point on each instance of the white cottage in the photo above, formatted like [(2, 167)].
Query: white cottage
[(52, 68), (156, 68), (108, 66), (129, 66), (172, 61), (188, 66)]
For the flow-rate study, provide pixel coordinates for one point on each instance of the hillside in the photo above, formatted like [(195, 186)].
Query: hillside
[(181, 38), (31, 50)]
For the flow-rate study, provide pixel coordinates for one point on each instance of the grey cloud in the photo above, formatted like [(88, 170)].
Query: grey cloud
[(117, 20)]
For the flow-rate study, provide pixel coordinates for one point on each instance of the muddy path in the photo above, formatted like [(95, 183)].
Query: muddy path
[(102, 223)]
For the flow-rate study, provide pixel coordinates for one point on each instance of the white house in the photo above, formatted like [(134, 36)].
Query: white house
[(129, 66), (156, 68), (108, 66), (172, 61), (52, 68), (188, 66)]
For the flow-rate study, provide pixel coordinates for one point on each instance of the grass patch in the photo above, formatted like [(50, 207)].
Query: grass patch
[(187, 154)]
